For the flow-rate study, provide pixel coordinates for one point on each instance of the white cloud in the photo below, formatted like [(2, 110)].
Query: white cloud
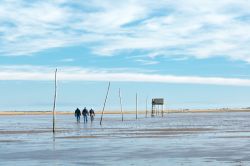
[(194, 28), (38, 73)]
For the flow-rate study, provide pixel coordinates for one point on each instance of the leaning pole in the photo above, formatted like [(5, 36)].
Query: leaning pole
[(54, 104), (120, 102), (105, 103)]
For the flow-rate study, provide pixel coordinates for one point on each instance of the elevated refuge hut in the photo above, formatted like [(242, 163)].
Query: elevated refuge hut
[(157, 106)]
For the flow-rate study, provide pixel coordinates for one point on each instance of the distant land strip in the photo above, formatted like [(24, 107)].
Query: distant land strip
[(127, 112)]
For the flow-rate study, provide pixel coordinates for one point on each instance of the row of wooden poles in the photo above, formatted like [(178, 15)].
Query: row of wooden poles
[(55, 97), (120, 104)]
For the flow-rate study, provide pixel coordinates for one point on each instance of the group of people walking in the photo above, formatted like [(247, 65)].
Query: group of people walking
[(85, 113)]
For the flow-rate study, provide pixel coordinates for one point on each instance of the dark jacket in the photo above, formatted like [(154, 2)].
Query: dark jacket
[(77, 112), (92, 112), (85, 112)]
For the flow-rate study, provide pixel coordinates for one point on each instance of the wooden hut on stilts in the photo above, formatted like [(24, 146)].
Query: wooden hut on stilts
[(157, 104)]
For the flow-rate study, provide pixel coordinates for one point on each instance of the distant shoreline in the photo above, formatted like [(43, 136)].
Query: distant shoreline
[(2, 113)]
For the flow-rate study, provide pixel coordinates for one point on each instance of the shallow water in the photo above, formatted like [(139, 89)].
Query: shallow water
[(176, 139)]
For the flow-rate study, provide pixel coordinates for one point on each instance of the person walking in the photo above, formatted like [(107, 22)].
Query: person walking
[(92, 114), (78, 114), (85, 114)]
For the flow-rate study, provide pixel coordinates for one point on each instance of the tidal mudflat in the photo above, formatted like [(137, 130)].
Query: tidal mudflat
[(175, 139)]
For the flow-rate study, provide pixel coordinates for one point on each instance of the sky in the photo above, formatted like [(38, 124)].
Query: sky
[(194, 54)]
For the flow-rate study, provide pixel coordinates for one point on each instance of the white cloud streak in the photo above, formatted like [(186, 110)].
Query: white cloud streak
[(38, 73), (194, 28)]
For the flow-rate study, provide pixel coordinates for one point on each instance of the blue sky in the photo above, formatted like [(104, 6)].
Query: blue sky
[(193, 53)]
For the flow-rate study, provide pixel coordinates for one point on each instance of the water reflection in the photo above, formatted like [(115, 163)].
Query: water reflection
[(188, 139)]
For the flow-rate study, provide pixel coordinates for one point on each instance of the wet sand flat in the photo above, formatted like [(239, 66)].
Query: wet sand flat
[(176, 139)]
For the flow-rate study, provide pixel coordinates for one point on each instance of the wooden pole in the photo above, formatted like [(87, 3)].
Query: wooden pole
[(162, 110), (104, 103), (121, 102), (152, 109), (54, 104), (157, 112), (146, 107), (136, 106)]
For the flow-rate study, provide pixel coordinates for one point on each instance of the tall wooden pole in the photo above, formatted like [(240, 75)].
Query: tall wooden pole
[(121, 102), (136, 110), (162, 110), (152, 109), (104, 103), (54, 104), (146, 107)]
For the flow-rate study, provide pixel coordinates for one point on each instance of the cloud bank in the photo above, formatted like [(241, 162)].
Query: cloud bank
[(178, 29), (38, 73)]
